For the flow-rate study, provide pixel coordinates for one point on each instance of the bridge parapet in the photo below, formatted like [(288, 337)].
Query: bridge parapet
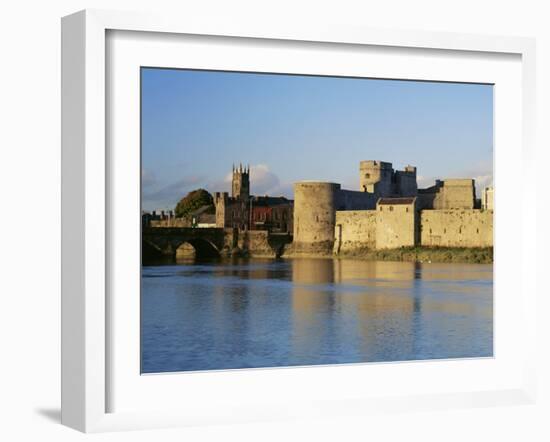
[(208, 242), (197, 231), (213, 241)]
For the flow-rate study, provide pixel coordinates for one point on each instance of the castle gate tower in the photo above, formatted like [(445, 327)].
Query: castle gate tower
[(376, 177)]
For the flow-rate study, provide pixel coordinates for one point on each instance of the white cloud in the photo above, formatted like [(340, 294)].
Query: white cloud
[(265, 182), (262, 180)]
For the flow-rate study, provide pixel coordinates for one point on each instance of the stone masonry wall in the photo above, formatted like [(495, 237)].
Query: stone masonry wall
[(315, 204), (395, 228), (355, 230), (455, 194), (456, 228), (170, 222), (255, 243)]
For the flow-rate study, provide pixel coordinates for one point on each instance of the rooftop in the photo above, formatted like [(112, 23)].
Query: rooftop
[(270, 200)]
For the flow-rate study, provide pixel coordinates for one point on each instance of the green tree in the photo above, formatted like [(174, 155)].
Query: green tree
[(192, 201)]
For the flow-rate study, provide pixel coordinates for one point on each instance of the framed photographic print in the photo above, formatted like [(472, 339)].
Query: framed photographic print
[(263, 222)]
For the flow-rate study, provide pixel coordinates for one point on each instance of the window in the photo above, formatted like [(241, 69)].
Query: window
[(391, 208), (367, 175)]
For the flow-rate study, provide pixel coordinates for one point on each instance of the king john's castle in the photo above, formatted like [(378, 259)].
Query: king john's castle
[(388, 212)]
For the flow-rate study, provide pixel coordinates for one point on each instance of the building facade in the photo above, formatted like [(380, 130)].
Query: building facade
[(244, 211), (274, 214)]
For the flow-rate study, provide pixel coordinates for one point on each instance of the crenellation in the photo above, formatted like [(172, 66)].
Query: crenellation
[(389, 212)]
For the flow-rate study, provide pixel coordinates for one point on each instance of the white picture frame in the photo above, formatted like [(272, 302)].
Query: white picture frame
[(86, 315)]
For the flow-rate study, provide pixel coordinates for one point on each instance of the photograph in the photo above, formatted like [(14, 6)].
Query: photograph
[(303, 220)]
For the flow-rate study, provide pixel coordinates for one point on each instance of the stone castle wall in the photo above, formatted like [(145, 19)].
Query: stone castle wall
[(455, 194), (315, 207), (456, 228), (355, 230), (448, 194), (255, 242), (397, 227)]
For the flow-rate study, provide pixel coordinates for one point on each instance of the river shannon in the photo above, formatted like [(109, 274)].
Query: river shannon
[(271, 313)]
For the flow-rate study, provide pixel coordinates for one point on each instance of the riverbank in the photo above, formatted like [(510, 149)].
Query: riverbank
[(481, 255)]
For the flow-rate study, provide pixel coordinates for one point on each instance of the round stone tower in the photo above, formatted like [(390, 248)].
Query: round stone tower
[(315, 205)]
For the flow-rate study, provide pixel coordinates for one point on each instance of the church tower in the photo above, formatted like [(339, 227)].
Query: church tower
[(241, 182)]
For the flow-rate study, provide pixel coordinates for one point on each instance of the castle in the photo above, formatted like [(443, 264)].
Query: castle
[(389, 212), (244, 211)]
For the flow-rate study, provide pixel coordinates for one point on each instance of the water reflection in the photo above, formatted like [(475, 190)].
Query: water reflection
[(264, 313)]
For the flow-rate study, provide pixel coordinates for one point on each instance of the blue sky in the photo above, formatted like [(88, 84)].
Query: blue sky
[(196, 124)]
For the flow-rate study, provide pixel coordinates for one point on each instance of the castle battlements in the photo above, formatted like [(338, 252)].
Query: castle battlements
[(389, 211), (379, 178)]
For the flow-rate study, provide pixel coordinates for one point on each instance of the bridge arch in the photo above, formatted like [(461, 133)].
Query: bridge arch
[(203, 247), (154, 249)]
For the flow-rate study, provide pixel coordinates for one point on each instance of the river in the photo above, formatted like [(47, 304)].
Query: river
[(272, 313)]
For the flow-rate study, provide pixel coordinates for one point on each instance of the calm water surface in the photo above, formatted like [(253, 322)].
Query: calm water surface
[(268, 313)]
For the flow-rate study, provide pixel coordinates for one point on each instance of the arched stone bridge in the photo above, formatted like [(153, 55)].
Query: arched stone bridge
[(164, 241)]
